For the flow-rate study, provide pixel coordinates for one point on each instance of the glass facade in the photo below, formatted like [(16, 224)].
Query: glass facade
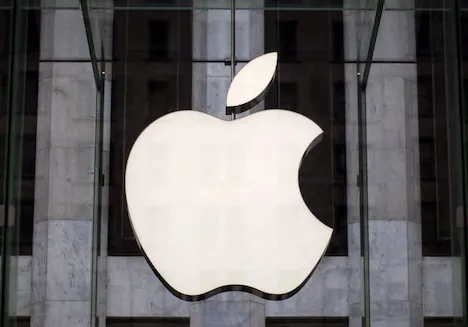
[(385, 79)]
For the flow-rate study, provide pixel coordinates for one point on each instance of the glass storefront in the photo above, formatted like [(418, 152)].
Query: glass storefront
[(385, 79)]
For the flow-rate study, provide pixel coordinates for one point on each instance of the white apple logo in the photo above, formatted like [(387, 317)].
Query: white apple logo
[(215, 205)]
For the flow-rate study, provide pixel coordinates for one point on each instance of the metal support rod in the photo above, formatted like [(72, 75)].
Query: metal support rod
[(233, 46), (373, 39)]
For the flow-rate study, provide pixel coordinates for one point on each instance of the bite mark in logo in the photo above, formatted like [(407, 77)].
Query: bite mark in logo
[(215, 205)]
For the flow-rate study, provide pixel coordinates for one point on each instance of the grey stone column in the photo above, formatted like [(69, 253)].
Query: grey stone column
[(63, 215), (393, 175), (211, 80)]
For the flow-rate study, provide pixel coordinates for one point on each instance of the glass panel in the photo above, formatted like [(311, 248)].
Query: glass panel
[(414, 162), (48, 162), (19, 75), (195, 73)]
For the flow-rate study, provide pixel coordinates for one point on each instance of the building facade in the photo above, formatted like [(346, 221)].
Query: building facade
[(385, 79)]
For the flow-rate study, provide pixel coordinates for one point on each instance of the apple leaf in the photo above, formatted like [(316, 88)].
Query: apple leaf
[(251, 82)]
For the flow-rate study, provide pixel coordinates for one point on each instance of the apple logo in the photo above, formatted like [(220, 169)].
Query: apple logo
[(215, 205)]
